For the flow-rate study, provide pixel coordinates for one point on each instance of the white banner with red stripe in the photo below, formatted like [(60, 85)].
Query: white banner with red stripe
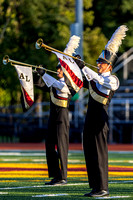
[(71, 70), (26, 81)]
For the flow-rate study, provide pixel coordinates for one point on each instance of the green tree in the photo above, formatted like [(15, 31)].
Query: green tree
[(111, 14), (22, 22)]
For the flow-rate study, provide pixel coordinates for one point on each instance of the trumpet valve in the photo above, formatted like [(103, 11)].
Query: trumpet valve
[(38, 44)]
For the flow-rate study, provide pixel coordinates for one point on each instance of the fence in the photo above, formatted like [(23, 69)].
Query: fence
[(32, 125)]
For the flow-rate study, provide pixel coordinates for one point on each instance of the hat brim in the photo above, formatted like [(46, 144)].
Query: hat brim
[(58, 66), (102, 60)]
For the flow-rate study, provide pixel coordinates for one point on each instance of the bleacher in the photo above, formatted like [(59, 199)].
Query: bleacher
[(31, 126), (121, 106)]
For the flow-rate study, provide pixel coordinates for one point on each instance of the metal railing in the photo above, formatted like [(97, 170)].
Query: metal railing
[(120, 113)]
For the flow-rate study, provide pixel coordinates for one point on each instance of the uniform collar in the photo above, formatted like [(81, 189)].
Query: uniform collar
[(106, 74), (61, 79)]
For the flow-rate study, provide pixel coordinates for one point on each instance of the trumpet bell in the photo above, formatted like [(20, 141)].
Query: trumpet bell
[(39, 43), (5, 60)]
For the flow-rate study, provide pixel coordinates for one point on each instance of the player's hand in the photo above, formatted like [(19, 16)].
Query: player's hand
[(40, 71), (80, 63)]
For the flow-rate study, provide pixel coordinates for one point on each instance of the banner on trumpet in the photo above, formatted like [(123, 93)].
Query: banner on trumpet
[(26, 81), (71, 71), (25, 75)]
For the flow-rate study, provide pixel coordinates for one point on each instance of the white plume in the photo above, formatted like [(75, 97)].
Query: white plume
[(116, 39), (72, 45)]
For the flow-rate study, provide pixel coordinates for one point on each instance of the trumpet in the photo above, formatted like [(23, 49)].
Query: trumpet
[(39, 44), (7, 60)]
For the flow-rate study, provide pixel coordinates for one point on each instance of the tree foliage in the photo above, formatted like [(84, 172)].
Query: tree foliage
[(22, 22), (111, 14)]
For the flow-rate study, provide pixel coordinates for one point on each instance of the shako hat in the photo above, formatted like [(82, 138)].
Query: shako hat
[(109, 54)]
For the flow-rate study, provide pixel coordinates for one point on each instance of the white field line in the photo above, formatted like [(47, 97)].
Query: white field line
[(121, 152), (41, 153), (112, 197), (129, 181), (72, 161), (50, 195), (71, 184), (10, 159), (35, 160), (3, 193), (120, 161), (41, 186)]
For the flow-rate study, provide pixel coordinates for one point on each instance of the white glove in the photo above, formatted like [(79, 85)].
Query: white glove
[(90, 74)]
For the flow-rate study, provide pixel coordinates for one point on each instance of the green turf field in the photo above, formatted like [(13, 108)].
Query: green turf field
[(23, 175)]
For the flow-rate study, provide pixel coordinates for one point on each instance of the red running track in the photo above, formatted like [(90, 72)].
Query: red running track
[(75, 146)]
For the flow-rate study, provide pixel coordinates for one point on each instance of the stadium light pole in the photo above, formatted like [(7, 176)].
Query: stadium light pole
[(77, 29)]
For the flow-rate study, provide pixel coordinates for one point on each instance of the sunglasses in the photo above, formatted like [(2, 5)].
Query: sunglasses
[(101, 62)]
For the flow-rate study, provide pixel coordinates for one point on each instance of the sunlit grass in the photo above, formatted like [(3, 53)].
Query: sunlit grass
[(23, 175)]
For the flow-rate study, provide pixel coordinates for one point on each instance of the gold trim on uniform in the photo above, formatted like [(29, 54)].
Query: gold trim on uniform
[(58, 102), (76, 88), (96, 96)]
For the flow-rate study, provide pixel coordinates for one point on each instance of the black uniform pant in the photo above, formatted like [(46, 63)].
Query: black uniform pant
[(96, 152), (58, 136)]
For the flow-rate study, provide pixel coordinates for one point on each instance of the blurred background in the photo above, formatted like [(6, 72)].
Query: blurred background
[(22, 22)]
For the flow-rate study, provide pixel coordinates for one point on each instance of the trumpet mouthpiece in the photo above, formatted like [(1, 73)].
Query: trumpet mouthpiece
[(38, 44)]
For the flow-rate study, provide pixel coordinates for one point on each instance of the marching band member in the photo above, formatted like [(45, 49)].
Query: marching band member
[(58, 124), (102, 86)]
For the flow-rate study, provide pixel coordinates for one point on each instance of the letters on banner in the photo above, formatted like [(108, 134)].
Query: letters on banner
[(26, 81)]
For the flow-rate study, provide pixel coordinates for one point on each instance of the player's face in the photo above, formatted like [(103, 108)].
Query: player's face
[(60, 73), (103, 67)]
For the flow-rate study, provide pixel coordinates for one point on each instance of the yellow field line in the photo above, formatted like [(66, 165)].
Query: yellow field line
[(33, 174), (69, 173), (36, 165), (38, 172), (120, 173), (44, 166), (120, 178), (23, 165)]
